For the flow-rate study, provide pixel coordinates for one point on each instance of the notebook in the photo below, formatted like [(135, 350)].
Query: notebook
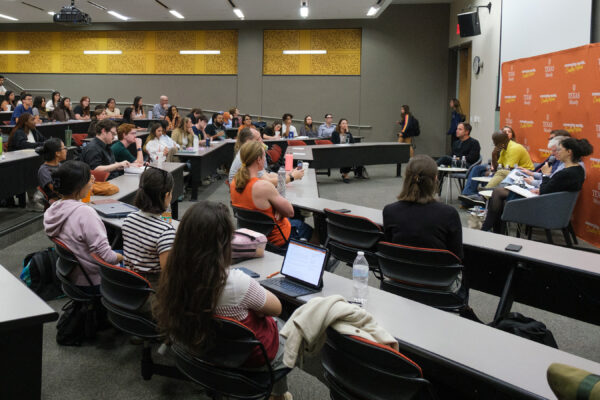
[(114, 210), (302, 270)]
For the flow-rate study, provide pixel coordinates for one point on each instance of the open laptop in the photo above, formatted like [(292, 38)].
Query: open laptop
[(302, 270), (114, 210)]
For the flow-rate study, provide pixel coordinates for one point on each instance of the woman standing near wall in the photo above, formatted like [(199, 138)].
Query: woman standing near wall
[(408, 127), (456, 118)]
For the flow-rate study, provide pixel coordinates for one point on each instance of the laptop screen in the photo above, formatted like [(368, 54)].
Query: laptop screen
[(304, 262)]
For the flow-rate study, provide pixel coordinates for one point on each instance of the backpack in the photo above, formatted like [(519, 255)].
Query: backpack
[(526, 327), (39, 274), (248, 244), (416, 128), (80, 321)]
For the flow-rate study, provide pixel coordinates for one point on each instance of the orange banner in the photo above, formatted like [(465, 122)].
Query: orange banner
[(559, 91)]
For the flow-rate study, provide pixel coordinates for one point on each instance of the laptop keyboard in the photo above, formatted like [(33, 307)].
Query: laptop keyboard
[(289, 286)]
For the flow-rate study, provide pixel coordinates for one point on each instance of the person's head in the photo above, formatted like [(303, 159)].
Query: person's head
[(164, 100), (39, 102), (276, 125), (328, 119), (26, 122), (65, 103), (455, 105), (500, 139), (217, 118), (9, 96), (53, 149), (202, 122), (110, 104), (404, 110), (27, 99), (287, 119), (463, 130), (186, 298), (558, 132), (196, 112), (510, 132), (234, 112), (126, 132), (342, 126), (420, 181), (226, 117), (155, 191), (128, 115), (185, 124), (247, 120), (137, 103), (308, 121), (73, 179), (100, 112), (554, 143), (172, 112), (85, 103), (252, 155), (106, 130), (55, 98), (573, 150), (156, 131), (246, 134)]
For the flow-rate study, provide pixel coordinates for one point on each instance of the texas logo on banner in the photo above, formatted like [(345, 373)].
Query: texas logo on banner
[(559, 91)]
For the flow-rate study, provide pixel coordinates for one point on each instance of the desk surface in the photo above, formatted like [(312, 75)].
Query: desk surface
[(11, 156), (513, 360), (203, 150), (20, 306)]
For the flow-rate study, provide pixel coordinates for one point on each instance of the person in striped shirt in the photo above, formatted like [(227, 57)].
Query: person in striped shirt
[(147, 239)]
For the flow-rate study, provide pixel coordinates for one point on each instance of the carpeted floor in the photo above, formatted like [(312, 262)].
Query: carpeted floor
[(109, 368)]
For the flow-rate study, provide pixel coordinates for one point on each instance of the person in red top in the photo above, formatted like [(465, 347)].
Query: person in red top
[(189, 297), (252, 193)]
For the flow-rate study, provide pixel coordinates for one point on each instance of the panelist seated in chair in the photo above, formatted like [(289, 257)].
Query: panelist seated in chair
[(77, 225), (98, 153), (147, 239), (252, 134), (418, 218), (341, 134), (569, 179), (464, 146), (197, 284), (251, 193)]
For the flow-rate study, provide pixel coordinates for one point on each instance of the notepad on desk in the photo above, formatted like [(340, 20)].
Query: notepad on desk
[(134, 170), (521, 191)]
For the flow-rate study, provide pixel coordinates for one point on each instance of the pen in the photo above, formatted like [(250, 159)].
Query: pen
[(272, 275)]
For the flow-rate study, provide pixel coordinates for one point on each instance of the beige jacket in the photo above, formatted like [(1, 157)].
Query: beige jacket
[(305, 330)]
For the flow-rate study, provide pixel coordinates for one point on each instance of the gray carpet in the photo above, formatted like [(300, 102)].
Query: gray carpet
[(109, 367)]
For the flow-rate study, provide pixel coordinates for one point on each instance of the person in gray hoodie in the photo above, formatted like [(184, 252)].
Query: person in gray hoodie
[(76, 224)]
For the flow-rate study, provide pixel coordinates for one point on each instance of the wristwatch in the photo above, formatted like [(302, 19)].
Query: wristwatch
[(291, 177), (139, 149)]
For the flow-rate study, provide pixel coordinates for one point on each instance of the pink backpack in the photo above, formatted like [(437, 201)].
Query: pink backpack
[(248, 244)]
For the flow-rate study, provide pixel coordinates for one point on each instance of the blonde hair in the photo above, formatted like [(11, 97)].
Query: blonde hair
[(249, 153), (243, 136)]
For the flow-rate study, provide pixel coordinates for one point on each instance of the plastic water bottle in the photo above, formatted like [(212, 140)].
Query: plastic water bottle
[(196, 143), (454, 161), (463, 162), (149, 114), (360, 279), (281, 181), (290, 133)]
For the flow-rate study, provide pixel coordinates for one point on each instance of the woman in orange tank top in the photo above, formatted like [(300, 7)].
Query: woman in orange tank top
[(252, 193)]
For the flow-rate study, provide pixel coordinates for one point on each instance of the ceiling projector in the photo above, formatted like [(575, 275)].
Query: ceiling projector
[(71, 15)]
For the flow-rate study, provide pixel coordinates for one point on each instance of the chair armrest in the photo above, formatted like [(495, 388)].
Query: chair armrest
[(548, 211)]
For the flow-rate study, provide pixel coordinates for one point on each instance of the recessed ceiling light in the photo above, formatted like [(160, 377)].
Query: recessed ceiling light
[(199, 51), (372, 11), (175, 13), (7, 17), (116, 14), (239, 13), (14, 51), (51, 12), (304, 9), (102, 52), (305, 52)]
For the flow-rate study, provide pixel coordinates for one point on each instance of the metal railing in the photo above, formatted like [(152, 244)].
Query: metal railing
[(22, 89)]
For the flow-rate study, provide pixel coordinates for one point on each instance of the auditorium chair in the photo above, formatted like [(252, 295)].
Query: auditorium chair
[(45, 200), (220, 369), (100, 176), (547, 211), (259, 222), (125, 295), (296, 143), (347, 234), (78, 138), (423, 275), (359, 369), (461, 177), (65, 265)]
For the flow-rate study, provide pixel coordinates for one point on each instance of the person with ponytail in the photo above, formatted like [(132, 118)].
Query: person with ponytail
[(569, 179), (407, 128), (418, 218), (250, 192), (147, 239), (53, 152), (78, 225)]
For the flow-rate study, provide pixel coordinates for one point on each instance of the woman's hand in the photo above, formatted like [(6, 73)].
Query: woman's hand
[(546, 169), (529, 179), (535, 191), (166, 151)]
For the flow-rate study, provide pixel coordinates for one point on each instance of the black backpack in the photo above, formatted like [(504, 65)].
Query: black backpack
[(39, 273), (416, 128), (526, 327)]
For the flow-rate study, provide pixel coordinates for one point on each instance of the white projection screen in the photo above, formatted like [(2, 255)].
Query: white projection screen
[(533, 27)]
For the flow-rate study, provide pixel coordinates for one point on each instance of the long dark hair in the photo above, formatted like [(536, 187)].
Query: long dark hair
[(127, 115), (50, 148), (152, 135), (170, 112), (155, 183), (195, 274), (71, 177), (579, 148), (136, 106), (86, 110), (52, 98), (25, 123), (419, 183), (37, 103), (13, 103), (456, 105), (337, 127)]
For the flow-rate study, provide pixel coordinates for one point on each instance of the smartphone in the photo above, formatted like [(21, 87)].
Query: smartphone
[(514, 247), (343, 210), (248, 272), (299, 166)]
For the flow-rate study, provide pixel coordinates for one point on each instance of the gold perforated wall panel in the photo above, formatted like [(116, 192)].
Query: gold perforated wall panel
[(342, 58), (144, 52)]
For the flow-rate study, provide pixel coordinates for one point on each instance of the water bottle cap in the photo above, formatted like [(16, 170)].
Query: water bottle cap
[(361, 253)]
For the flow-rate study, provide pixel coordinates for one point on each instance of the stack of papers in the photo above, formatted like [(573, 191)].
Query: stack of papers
[(521, 191)]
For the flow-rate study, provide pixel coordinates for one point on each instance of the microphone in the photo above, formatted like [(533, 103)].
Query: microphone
[(551, 160)]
